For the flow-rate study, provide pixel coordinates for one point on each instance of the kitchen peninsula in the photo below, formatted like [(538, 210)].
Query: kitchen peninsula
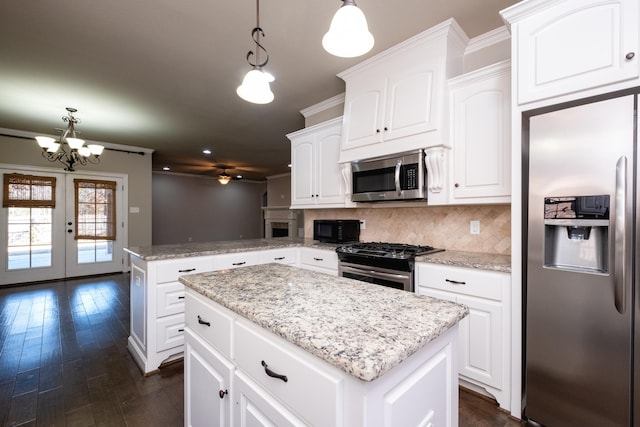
[(298, 347)]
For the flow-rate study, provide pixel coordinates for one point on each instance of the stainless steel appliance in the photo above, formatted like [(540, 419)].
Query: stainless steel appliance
[(336, 230), (582, 215), (397, 177), (386, 264)]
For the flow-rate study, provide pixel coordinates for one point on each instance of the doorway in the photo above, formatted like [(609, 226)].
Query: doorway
[(56, 225)]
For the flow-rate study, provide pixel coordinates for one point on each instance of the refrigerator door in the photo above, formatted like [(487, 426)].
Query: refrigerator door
[(578, 312), (636, 328)]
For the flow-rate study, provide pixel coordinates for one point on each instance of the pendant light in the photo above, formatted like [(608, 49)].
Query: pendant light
[(348, 35), (255, 85)]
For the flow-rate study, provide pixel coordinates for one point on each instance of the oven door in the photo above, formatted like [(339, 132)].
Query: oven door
[(402, 280)]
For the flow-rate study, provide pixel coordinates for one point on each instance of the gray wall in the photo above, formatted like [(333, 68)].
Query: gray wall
[(201, 209)]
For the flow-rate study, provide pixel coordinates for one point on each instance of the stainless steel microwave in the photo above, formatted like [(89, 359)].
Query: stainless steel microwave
[(398, 177)]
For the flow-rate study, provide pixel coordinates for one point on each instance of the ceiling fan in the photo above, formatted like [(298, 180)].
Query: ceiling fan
[(223, 177)]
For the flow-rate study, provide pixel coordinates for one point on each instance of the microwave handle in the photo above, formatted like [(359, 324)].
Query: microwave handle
[(397, 177)]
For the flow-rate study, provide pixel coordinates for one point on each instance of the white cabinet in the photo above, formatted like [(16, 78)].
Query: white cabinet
[(484, 356), (316, 176), (564, 47), (287, 256), (235, 260), (481, 135), (207, 381), (157, 309), (322, 260), (395, 101), (264, 380)]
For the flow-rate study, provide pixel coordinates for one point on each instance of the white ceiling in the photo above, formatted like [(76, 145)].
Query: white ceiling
[(162, 74)]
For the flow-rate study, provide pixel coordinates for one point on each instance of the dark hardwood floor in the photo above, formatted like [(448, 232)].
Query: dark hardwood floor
[(64, 362)]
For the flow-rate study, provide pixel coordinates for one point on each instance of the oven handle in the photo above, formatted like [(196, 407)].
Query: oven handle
[(397, 177), (373, 273)]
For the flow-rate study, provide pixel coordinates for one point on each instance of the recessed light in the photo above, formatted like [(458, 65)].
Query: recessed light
[(239, 176), (289, 165), (206, 151), (166, 168)]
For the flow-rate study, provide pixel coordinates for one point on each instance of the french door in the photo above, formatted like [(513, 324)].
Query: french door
[(81, 234)]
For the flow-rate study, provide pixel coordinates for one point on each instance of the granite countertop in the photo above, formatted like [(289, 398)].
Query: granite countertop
[(162, 252), (362, 329), (483, 261)]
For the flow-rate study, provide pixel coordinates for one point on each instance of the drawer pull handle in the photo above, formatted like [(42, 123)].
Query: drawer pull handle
[(318, 259), (239, 263), (455, 282), (280, 258), (273, 374), (180, 330), (188, 270), (202, 322), (182, 297), (221, 393)]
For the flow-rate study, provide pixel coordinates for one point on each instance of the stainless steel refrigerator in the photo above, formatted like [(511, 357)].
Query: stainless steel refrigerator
[(581, 204)]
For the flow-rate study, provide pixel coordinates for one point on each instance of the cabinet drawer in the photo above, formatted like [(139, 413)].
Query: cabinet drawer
[(319, 258), (235, 260), (313, 394), (169, 271), (210, 323), (170, 299), (170, 332), (466, 281), (282, 256)]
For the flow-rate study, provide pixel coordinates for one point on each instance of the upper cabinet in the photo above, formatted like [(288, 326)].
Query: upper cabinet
[(569, 46), (396, 100), (316, 176), (481, 135)]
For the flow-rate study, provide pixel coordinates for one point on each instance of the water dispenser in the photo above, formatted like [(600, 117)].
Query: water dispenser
[(577, 233)]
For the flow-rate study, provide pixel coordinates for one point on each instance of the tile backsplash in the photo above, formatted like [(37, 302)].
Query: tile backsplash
[(444, 227)]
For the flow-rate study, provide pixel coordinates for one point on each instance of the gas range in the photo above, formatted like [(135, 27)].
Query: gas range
[(387, 264), (386, 250)]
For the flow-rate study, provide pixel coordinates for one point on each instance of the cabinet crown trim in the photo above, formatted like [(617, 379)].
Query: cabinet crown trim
[(448, 27)]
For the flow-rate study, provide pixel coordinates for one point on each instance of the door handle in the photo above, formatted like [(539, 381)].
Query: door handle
[(620, 276), (397, 177)]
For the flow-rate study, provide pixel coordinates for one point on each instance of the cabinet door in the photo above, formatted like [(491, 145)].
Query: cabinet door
[(364, 109), (302, 173), (481, 341), (256, 408), (207, 377), (412, 94), (328, 175), (480, 125), (576, 45)]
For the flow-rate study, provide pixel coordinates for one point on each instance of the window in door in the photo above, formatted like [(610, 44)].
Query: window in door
[(30, 201), (95, 212)]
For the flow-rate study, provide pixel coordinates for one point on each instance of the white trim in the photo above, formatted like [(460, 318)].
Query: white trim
[(488, 39), (28, 134), (322, 106), (280, 175)]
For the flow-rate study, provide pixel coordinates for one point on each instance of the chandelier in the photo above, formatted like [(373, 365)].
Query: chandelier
[(255, 85), (348, 34), (69, 149)]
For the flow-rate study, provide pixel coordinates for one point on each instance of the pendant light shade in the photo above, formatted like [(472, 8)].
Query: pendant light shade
[(348, 35), (255, 87)]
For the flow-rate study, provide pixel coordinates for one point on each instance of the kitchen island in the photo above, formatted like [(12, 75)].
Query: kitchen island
[(288, 346)]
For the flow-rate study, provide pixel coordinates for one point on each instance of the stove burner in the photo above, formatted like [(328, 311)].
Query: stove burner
[(386, 250)]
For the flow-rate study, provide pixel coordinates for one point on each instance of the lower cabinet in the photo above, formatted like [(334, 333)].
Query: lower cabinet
[(207, 377), (484, 351), (239, 374), (322, 260)]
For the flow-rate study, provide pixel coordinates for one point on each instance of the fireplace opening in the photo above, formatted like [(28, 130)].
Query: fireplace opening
[(279, 229)]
